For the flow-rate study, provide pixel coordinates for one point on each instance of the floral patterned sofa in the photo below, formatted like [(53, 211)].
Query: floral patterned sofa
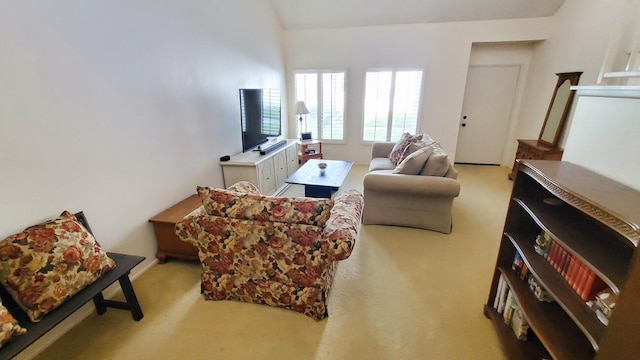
[(276, 251)]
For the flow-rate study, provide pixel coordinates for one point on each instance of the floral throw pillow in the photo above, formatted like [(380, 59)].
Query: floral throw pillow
[(223, 202), (9, 326), (399, 151), (46, 264)]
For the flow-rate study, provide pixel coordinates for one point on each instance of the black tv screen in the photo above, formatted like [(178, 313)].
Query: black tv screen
[(260, 114)]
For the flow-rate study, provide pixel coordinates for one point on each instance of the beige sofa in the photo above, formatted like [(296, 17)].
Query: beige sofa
[(419, 201)]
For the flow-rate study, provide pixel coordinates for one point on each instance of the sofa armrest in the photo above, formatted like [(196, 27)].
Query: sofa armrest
[(187, 229), (381, 149), (412, 184), (341, 229)]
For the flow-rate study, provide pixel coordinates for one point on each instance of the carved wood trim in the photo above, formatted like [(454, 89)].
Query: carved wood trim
[(612, 221)]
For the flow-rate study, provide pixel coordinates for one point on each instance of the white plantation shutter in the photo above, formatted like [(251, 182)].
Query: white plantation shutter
[(307, 91), (333, 106), (376, 105), (402, 89), (325, 100), (406, 102)]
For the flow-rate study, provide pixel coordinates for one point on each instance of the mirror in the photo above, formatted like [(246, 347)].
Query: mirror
[(558, 108)]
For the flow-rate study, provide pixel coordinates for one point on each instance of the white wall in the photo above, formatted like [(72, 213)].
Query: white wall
[(604, 137), (120, 109), (581, 30), (443, 50)]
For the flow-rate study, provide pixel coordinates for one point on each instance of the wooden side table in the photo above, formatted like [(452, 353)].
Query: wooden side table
[(164, 226), (531, 150), (309, 150)]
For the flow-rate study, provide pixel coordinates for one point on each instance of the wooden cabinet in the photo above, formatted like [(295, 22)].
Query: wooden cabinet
[(310, 150), (266, 177), (268, 172), (292, 160), (164, 227), (532, 150), (596, 221)]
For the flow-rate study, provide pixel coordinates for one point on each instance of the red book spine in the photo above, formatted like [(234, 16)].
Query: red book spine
[(552, 254), (592, 286), (577, 276), (570, 272), (561, 256), (583, 279), (565, 263)]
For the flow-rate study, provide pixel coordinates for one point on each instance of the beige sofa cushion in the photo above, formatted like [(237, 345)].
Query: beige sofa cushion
[(413, 164), (437, 164), (381, 164)]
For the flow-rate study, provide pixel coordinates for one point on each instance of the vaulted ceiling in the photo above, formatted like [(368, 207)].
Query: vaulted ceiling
[(318, 14)]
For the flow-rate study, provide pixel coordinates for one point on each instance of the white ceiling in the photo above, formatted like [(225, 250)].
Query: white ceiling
[(318, 14)]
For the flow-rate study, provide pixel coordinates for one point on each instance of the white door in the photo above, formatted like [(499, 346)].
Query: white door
[(486, 113)]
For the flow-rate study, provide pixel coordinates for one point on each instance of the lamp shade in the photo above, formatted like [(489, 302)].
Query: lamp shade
[(301, 108)]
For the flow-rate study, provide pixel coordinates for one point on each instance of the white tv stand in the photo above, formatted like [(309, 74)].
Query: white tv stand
[(268, 172)]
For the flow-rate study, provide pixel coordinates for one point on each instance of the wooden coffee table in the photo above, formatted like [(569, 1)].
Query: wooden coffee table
[(320, 184)]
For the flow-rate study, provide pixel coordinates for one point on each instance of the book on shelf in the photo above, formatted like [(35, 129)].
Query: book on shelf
[(566, 263), (574, 264), (580, 280), (502, 294), (519, 266), (593, 285), (578, 275), (505, 303), (501, 285), (509, 305), (517, 263), (524, 273)]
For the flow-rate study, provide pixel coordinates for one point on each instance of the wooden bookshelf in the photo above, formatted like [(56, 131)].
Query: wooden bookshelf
[(597, 221)]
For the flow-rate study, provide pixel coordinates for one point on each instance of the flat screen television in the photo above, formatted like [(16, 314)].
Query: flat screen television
[(260, 114)]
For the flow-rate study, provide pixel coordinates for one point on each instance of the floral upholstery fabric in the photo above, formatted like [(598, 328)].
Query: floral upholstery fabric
[(400, 149), (244, 187), (9, 326), (278, 263), (225, 202), (48, 263)]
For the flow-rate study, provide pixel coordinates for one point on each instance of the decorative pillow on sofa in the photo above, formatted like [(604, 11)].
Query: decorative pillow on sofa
[(48, 263), (398, 153), (224, 202), (413, 164), (9, 326), (437, 164), (244, 187)]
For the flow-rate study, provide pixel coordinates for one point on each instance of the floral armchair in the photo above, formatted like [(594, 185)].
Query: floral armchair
[(276, 251)]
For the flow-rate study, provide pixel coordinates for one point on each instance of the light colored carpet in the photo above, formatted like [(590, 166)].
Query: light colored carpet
[(403, 294)]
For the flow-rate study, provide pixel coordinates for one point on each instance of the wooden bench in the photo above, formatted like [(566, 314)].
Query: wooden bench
[(124, 264)]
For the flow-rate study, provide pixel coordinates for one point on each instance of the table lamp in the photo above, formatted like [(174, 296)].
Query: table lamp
[(301, 109)]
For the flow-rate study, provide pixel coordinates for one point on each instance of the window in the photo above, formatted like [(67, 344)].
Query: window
[(324, 95), (391, 104)]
